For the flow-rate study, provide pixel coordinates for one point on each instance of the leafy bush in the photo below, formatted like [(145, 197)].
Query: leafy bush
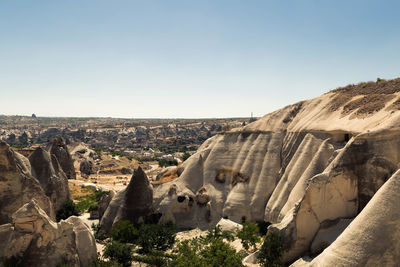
[(155, 258), (125, 232), (68, 209), (185, 156), (93, 207), (249, 235), (211, 250), (156, 237), (166, 163), (90, 201), (99, 233), (218, 233), (119, 252), (271, 250), (117, 153), (219, 253)]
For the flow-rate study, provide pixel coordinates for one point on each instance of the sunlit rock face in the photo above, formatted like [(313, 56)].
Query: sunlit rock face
[(39, 241), (17, 185), (302, 168)]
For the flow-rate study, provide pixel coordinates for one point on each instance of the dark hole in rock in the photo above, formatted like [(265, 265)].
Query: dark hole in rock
[(191, 201), (263, 227), (181, 198), (346, 137), (243, 219), (225, 217)]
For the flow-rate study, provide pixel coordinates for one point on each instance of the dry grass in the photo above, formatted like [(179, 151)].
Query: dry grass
[(375, 95)]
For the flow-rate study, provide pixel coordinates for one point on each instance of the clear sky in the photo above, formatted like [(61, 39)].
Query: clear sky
[(188, 59)]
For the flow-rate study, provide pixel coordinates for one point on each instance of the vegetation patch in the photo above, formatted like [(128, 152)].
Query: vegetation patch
[(368, 104), (374, 96), (271, 250), (68, 209), (90, 201)]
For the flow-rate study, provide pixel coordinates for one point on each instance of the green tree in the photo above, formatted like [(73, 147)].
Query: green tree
[(211, 250), (68, 209), (119, 252), (99, 233), (218, 233), (124, 232), (271, 250), (156, 237), (185, 156), (249, 235)]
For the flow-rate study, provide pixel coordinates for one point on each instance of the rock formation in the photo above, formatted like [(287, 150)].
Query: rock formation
[(33, 237), (47, 170), (59, 149), (372, 239), (17, 185), (304, 168), (104, 202), (133, 203), (86, 167)]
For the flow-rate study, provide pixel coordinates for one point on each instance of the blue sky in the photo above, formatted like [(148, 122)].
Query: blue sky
[(188, 59)]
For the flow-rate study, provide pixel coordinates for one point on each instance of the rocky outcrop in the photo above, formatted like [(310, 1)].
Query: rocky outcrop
[(39, 241), (302, 168), (104, 202), (133, 203), (59, 149), (17, 185), (372, 238), (47, 170), (86, 167)]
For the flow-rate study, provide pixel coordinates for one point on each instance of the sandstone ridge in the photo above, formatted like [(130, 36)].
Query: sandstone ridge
[(307, 169)]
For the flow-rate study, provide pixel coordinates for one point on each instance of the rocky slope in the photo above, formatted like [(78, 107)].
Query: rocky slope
[(39, 241), (307, 169), (17, 185)]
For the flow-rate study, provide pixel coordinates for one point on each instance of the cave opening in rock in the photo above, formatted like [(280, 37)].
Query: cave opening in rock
[(191, 201), (181, 199), (346, 137)]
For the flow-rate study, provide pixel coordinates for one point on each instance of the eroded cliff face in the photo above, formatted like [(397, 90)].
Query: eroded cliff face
[(40, 241), (302, 168), (47, 170), (17, 185)]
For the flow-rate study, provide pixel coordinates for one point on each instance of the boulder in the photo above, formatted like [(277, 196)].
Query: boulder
[(17, 185), (47, 170), (134, 203), (86, 167), (39, 241), (59, 149)]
